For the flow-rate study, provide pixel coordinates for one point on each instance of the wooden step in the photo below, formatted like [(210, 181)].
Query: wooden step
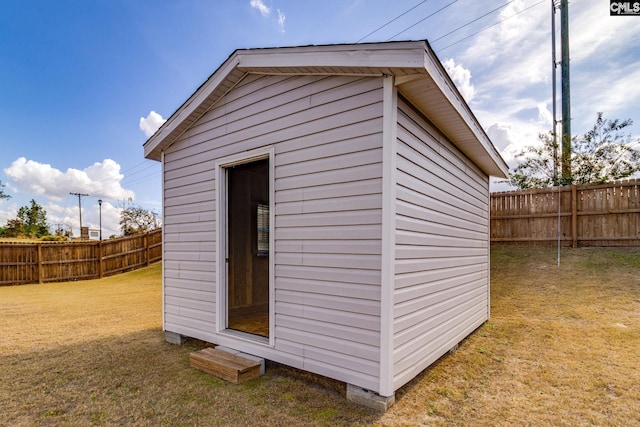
[(223, 365)]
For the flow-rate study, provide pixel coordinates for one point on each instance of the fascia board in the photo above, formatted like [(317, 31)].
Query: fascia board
[(448, 89), (404, 55)]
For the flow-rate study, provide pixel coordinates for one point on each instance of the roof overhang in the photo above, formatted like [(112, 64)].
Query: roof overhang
[(419, 76)]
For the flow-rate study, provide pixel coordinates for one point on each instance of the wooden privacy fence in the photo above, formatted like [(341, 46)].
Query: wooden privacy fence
[(587, 215), (22, 263)]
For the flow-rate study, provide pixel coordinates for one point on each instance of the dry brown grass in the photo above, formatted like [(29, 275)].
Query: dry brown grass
[(92, 353), (561, 349)]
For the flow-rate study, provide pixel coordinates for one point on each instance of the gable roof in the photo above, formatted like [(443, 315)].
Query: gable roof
[(419, 77)]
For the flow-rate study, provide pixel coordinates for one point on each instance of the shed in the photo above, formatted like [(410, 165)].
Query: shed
[(327, 208)]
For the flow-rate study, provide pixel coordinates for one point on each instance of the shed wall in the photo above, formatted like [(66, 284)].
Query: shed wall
[(328, 167), (441, 289)]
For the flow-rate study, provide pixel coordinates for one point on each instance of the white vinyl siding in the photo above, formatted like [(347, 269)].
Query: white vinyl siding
[(328, 231), (441, 249), (326, 134)]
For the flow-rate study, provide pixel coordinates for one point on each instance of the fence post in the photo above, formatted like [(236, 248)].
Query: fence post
[(39, 265), (574, 216), (146, 243), (100, 261)]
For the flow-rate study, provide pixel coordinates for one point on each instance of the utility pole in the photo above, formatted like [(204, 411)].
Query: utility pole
[(100, 204), (80, 195), (566, 93), (554, 87), (556, 157)]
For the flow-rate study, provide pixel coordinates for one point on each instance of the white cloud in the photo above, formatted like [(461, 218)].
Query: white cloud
[(151, 123), (545, 117), (516, 34), (100, 180), (67, 217), (266, 12), (461, 77), (110, 219), (508, 59), (511, 66), (281, 19), (8, 211), (258, 4), (510, 137), (509, 140), (601, 38), (614, 91)]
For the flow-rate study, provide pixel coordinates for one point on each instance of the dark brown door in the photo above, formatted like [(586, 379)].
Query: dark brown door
[(248, 246)]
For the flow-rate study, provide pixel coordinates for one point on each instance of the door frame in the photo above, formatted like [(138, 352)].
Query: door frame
[(221, 189)]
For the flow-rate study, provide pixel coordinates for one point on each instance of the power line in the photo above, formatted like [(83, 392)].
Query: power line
[(137, 176), (393, 20), (489, 26), (139, 171), (471, 22), (142, 163), (423, 19), (453, 31), (142, 179)]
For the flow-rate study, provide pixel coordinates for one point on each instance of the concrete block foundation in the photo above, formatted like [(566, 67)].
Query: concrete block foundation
[(369, 398), (174, 338)]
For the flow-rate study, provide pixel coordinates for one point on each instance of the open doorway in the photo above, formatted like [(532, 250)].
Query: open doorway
[(248, 248)]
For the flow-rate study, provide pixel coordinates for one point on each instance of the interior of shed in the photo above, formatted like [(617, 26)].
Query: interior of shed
[(248, 248)]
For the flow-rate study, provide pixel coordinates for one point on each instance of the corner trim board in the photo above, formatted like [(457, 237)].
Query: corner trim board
[(389, 163)]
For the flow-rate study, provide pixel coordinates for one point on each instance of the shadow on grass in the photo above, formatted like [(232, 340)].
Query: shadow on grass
[(139, 379)]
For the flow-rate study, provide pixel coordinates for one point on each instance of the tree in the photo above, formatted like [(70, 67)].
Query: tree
[(13, 228), (135, 219), (539, 168), (33, 220), (3, 195), (604, 153)]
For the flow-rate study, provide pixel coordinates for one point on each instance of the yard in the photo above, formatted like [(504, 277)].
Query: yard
[(561, 348)]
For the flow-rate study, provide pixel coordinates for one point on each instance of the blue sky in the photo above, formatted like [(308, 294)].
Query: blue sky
[(81, 80)]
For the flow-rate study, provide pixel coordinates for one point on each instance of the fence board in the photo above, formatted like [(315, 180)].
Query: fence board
[(22, 263), (585, 215)]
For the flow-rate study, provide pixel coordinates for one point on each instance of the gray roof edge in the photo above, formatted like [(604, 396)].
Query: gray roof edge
[(501, 168), (273, 57), (368, 55)]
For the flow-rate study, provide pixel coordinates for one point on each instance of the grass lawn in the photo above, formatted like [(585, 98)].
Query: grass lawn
[(562, 348)]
